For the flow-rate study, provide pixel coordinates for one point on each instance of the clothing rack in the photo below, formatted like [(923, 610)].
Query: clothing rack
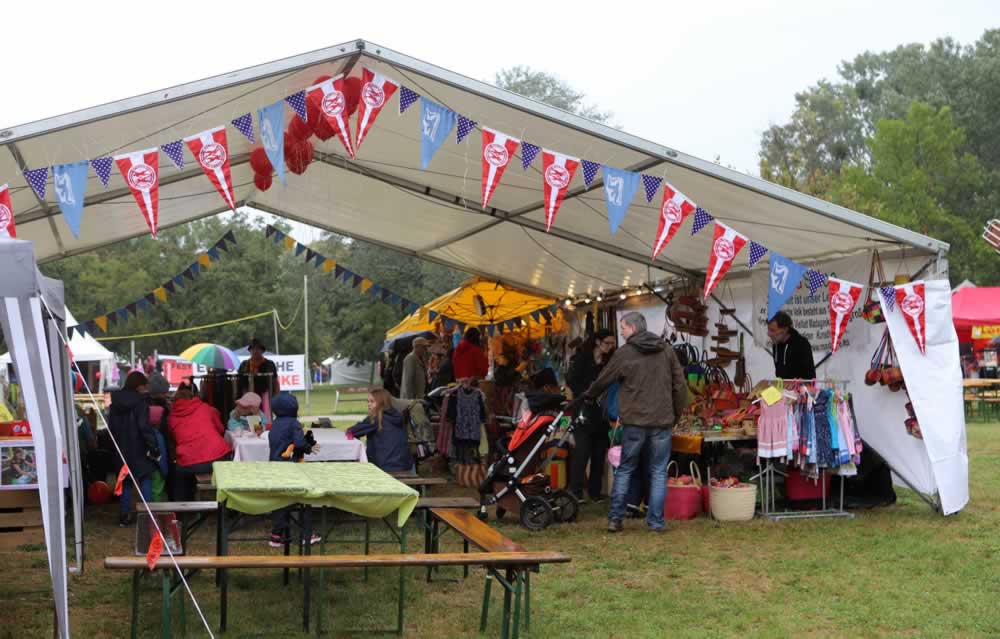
[(766, 476)]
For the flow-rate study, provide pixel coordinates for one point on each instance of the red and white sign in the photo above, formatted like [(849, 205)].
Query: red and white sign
[(910, 299), (211, 151), (726, 245), (376, 89), (498, 149), (328, 99), (844, 297), (141, 171), (675, 208), (6, 213), (291, 370), (557, 173)]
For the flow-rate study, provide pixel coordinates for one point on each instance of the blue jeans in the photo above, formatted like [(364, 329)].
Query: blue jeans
[(657, 442), (125, 501)]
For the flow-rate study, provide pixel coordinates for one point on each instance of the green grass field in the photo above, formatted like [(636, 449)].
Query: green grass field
[(901, 571), (323, 398)]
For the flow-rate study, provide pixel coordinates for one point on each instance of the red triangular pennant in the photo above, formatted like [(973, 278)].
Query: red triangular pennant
[(6, 214), (674, 210), (911, 299), (141, 171), (725, 247), (211, 151), (557, 170), (844, 297), (376, 89), (498, 149), (327, 101)]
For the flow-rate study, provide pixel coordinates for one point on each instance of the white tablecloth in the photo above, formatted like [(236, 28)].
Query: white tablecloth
[(333, 446)]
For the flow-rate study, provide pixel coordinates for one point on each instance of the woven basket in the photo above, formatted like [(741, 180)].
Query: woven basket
[(733, 504)]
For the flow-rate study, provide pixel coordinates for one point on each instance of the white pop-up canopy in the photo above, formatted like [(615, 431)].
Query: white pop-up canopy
[(31, 307), (384, 190)]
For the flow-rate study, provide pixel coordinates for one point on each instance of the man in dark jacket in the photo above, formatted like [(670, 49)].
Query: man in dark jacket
[(793, 354), (652, 393), (128, 421)]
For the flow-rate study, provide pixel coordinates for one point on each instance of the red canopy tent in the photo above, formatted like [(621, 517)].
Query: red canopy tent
[(975, 307)]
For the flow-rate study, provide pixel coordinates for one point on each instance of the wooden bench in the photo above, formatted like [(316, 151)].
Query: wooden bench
[(516, 562), (491, 541)]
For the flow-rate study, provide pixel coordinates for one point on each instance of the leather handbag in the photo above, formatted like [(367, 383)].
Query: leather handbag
[(871, 310)]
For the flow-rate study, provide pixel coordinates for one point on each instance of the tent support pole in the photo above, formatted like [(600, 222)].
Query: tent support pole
[(274, 317), (305, 319)]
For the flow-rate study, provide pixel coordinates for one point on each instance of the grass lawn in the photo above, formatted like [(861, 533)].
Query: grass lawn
[(323, 397), (901, 571)]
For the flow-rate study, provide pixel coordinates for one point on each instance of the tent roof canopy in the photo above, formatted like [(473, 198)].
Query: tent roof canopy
[(498, 302), (976, 306), (369, 197)]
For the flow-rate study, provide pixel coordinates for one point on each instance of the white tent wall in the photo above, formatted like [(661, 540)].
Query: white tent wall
[(343, 372), (24, 327), (880, 412)]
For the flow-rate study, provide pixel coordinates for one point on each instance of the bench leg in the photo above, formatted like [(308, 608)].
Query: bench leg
[(518, 576), (486, 601), (465, 549), (505, 627), (527, 600), (402, 582), (368, 537), (182, 594), (285, 535), (165, 612), (222, 575), (136, 575), (219, 524), (322, 574), (306, 546)]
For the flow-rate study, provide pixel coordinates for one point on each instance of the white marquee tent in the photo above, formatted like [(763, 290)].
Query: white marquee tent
[(384, 197)]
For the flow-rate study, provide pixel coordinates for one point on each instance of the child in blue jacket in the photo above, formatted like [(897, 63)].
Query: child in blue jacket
[(287, 431)]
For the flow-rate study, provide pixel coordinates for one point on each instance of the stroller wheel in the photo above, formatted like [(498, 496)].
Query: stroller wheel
[(565, 507), (536, 513), (500, 513)]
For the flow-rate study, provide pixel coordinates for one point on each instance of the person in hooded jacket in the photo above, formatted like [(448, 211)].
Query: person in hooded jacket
[(128, 421), (197, 431), (385, 427), (286, 430), (469, 358), (592, 435), (652, 394)]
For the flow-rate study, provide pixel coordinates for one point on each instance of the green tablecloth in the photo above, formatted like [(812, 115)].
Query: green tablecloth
[(256, 488)]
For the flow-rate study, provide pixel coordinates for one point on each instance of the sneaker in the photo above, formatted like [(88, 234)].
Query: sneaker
[(659, 531), (315, 540), (615, 526), (276, 542), (600, 499)]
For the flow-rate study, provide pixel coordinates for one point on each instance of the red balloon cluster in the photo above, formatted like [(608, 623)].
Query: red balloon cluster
[(298, 148), (98, 492)]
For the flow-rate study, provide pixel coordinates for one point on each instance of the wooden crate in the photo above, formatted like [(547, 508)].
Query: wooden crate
[(20, 519)]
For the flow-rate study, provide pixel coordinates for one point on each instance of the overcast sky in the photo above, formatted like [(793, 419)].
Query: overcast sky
[(706, 78)]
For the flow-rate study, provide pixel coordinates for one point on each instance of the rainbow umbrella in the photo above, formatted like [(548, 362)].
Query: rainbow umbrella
[(212, 355)]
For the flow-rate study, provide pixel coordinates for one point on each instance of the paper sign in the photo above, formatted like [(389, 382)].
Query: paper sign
[(771, 395), (985, 332)]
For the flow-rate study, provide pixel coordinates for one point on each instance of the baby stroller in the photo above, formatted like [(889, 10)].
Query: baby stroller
[(513, 482)]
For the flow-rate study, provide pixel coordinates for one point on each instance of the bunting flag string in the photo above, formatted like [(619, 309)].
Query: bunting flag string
[(160, 293), (323, 107), (376, 292)]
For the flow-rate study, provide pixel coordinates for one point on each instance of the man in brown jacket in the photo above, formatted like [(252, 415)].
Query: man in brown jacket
[(652, 393)]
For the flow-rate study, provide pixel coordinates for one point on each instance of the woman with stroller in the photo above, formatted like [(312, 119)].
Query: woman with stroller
[(592, 435)]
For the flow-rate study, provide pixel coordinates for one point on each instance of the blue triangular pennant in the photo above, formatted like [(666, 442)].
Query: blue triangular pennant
[(619, 189), (783, 279), (69, 181), (436, 122)]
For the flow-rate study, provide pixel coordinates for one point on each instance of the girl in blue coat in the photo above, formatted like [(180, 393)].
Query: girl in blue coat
[(388, 444)]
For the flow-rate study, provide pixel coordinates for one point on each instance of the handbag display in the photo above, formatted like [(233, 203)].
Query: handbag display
[(871, 310), (874, 373)]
